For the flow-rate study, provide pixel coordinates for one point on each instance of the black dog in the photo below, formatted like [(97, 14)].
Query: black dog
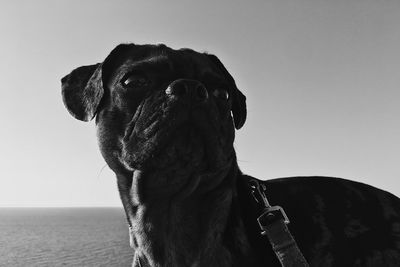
[(165, 120)]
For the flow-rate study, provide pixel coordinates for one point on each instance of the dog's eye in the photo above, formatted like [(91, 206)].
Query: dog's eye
[(135, 81), (221, 93)]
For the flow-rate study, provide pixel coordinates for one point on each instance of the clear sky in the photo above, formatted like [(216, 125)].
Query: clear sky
[(321, 77)]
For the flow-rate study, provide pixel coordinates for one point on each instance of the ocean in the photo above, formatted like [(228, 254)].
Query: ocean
[(64, 237)]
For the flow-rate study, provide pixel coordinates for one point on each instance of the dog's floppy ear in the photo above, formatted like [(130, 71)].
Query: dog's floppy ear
[(83, 88), (239, 110), (82, 91)]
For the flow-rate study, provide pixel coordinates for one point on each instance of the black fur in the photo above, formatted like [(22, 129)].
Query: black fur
[(170, 143)]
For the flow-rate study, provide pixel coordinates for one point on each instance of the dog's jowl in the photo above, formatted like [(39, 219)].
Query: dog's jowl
[(166, 123)]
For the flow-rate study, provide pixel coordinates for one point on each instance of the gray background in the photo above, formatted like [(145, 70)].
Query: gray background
[(321, 78)]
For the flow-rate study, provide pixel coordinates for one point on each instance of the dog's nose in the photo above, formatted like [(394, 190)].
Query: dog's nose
[(192, 89)]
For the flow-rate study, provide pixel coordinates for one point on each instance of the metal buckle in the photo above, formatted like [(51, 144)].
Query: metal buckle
[(270, 215)]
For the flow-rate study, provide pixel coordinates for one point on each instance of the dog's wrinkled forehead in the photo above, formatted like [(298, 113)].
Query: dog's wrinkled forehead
[(162, 61)]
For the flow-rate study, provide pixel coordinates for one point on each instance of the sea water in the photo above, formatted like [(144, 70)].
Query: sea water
[(64, 237)]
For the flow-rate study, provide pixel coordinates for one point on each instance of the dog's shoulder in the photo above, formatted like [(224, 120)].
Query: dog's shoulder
[(331, 216), (331, 190)]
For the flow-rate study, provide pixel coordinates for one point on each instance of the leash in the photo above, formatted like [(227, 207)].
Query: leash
[(273, 224)]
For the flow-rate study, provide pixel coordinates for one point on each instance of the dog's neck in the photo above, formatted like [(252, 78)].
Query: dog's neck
[(195, 231)]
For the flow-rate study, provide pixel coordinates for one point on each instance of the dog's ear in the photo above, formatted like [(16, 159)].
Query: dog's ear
[(239, 110), (83, 88), (82, 91)]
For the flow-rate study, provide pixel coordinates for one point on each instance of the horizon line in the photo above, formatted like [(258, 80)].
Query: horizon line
[(60, 207)]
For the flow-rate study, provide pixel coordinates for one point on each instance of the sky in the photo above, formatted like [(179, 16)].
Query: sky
[(321, 79)]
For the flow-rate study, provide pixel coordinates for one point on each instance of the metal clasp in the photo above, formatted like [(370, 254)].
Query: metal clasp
[(258, 191), (270, 213)]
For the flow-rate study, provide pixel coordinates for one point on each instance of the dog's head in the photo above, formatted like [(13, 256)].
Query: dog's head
[(166, 114)]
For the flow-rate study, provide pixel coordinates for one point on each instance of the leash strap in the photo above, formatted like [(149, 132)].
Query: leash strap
[(273, 223)]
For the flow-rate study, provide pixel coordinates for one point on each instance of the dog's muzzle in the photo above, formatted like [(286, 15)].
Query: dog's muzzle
[(166, 128)]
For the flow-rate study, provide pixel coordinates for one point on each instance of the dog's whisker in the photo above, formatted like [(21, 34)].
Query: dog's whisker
[(101, 170)]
